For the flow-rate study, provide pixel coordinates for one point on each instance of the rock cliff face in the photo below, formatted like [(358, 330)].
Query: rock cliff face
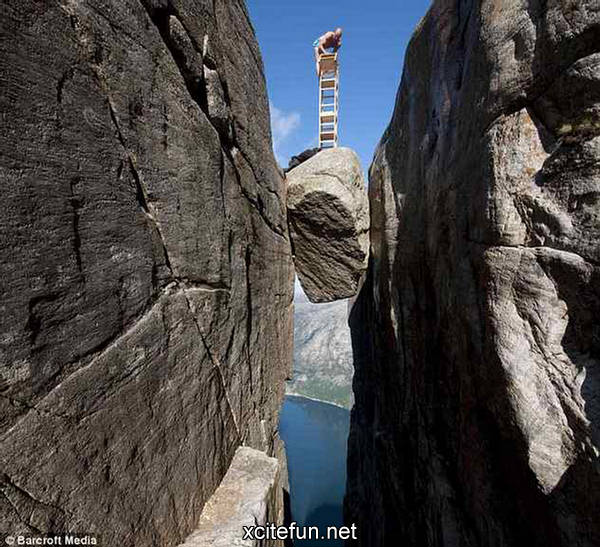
[(145, 265), (476, 335)]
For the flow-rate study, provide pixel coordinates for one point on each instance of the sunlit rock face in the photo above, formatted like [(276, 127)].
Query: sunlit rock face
[(476, 335), (328, 215), (145, 266), (244, 501)]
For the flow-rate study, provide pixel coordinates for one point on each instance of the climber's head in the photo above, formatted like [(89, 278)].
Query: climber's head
[(338, 32)]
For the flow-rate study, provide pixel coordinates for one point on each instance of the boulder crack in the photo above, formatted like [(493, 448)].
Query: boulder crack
[(216, 365)]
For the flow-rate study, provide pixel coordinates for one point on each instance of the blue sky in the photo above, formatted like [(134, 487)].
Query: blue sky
[(376, 34)]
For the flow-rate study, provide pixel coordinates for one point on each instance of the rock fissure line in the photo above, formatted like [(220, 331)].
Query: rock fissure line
[(248, 261), (529, 102), (277, 230), (8, 481), (216, 366), (160, 19), (226, 146), (241, 152), (141, 194), (77, 204), (33, 408), (534, 248), (21, 518), (106, 347)]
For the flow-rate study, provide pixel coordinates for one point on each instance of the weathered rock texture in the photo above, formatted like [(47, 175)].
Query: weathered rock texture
[(295, 161), (245, 497), (329, 224), (145, 267), (476, 335)]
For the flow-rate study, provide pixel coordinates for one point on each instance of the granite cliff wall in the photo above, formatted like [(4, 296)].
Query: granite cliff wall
[(476, 334), (145, 264)]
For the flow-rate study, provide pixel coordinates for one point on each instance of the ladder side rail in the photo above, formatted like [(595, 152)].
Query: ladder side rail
[(320, 104), (337, 104), (335, 110)]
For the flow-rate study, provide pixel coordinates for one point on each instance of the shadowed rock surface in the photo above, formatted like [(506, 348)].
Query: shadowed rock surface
[(145, 266), (328, 215), (476, 335)]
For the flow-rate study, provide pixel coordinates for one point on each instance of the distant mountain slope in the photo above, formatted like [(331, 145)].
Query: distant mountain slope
[(322, 352)]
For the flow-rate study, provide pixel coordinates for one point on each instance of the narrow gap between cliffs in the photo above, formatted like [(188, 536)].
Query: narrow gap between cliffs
[(315, 418)]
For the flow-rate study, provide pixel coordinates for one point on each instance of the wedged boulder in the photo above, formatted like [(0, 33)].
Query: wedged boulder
[(328, 215)]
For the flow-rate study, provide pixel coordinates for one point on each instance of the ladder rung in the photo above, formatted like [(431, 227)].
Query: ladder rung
[(328, 100)]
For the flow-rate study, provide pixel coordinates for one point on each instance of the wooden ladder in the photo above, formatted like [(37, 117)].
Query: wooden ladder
[(329, 86)]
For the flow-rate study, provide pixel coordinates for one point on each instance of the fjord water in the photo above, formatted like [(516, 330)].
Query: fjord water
[(315, 436)]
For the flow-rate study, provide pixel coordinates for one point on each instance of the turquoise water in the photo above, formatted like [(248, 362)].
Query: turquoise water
[(315, 436)]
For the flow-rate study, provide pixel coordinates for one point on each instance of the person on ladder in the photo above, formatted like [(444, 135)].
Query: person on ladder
[(329, 40)]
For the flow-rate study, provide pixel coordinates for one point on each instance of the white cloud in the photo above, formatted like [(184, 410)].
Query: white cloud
[(282, 126)]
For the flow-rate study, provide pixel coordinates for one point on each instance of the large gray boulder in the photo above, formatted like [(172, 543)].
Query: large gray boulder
[(476, 335), (328, 215), (145, 269)]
